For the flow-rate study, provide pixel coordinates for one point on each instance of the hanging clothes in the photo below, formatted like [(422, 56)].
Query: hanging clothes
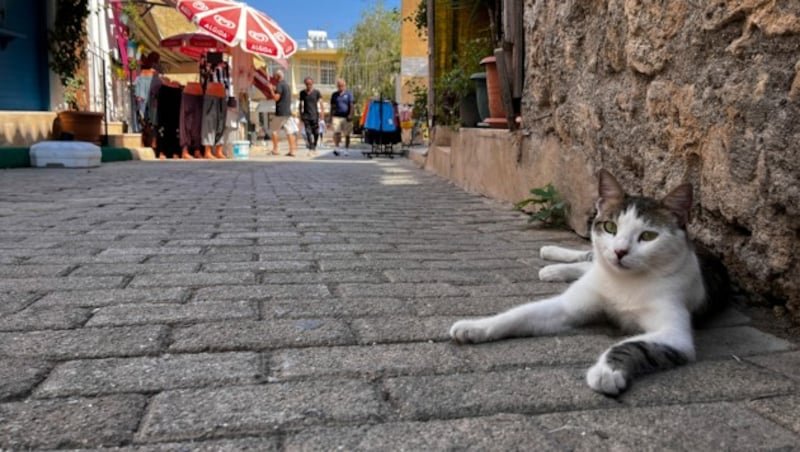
[(243, 70), (191, 116), (169, 114)]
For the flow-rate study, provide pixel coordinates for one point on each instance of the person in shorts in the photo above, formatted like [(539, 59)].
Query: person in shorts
[(341, 116), (283, 115)]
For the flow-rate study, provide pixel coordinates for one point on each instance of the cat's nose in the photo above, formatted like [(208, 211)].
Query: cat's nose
[(621, 253)]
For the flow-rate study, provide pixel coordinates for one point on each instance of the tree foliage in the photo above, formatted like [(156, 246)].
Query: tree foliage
[(372, 54)]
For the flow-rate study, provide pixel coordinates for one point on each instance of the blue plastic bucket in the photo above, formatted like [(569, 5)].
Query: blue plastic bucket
[(241, 149)]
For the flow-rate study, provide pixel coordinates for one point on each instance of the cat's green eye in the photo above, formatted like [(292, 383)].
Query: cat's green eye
[(610, 227), (648, 236)]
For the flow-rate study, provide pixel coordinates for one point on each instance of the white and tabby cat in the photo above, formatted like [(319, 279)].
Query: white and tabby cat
[(642, 273)]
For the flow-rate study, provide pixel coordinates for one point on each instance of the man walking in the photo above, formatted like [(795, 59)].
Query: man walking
[(341, 116), (283, 114), (311, 111)]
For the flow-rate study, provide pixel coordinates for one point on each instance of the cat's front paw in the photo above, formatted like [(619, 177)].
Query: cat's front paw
[(549, 252), (469, 331), (605, 380), (551, 273)]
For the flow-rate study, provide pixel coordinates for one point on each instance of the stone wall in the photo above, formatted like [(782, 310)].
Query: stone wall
[(659, 92)]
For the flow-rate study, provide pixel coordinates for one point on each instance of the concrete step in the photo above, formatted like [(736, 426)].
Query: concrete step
[(125, 140)]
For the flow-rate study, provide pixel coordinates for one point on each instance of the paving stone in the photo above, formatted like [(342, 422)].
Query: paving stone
[(399, 289), (92, 298), (322, 277), (152, 313), (538, 351), (260, 335), (191, 279), (28, 271), (531, 290), (150, 374), (11, 302), (83, 343), (706, 381), (261, 292), (335, 307), (242, 256), (501, 432), (76, 259), (737, 341), (466, 306), (133, 269), (786, 363), (36, 318), (783, 410), (368, 361), (443, 276), (208, 413), (260, 266), (718, 426), (536, 390), (262, 444), (70, 423), (139, 251), (395, 327), (19, 376), (67, 283), (329, 265)]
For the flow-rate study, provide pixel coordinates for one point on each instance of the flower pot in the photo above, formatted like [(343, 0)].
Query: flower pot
[(497, 114), (468, 111), (481, 96), (82, 125)]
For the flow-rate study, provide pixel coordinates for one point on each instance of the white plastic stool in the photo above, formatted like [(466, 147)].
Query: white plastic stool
[(66, 154)]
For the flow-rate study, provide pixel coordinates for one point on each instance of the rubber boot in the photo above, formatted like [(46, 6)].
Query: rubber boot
[(219, 154), (186, 155)]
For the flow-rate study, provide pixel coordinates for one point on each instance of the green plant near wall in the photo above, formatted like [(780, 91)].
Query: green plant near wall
[(546, 206), (66, 44), (455, 85)]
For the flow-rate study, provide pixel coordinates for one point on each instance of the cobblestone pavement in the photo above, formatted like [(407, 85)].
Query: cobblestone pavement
[(304, 305)]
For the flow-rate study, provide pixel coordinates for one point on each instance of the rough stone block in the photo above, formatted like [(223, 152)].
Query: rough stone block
[(242, 410), (70, 423)]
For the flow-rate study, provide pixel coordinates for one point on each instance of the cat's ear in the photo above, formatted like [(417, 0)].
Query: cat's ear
[(679, 202), (608, 189)]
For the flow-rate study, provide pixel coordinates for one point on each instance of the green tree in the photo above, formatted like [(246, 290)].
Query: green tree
[(372, 54)]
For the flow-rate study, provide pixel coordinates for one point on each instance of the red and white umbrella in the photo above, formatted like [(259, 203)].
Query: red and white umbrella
[(193, 45), (236, 23)]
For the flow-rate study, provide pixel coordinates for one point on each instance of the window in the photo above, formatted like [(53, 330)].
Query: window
[(327, 72), (308, 68)]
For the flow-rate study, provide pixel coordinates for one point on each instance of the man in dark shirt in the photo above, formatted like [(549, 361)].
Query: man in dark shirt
[(341, 116), (310, 112), (283, 119)]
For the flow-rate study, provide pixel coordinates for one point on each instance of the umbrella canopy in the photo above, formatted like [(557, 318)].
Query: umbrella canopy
[(236, 23), (193, 45)]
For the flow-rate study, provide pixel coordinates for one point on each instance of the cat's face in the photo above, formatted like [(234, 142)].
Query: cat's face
[(640, 234)]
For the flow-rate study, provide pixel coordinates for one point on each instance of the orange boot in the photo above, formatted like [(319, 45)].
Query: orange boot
[(219, 154), (186, 155), (208, 154)]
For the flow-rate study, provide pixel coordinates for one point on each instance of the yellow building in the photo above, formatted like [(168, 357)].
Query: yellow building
[(413, 54)]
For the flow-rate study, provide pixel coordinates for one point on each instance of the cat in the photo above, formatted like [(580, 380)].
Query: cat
[(642, 273)]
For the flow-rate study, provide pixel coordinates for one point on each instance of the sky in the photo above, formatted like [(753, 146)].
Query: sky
[(296, 17)]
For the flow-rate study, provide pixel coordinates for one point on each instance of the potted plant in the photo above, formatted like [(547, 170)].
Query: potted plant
[(66, 44)]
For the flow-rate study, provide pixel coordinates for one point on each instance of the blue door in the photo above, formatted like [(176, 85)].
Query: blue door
[(24, 77)]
